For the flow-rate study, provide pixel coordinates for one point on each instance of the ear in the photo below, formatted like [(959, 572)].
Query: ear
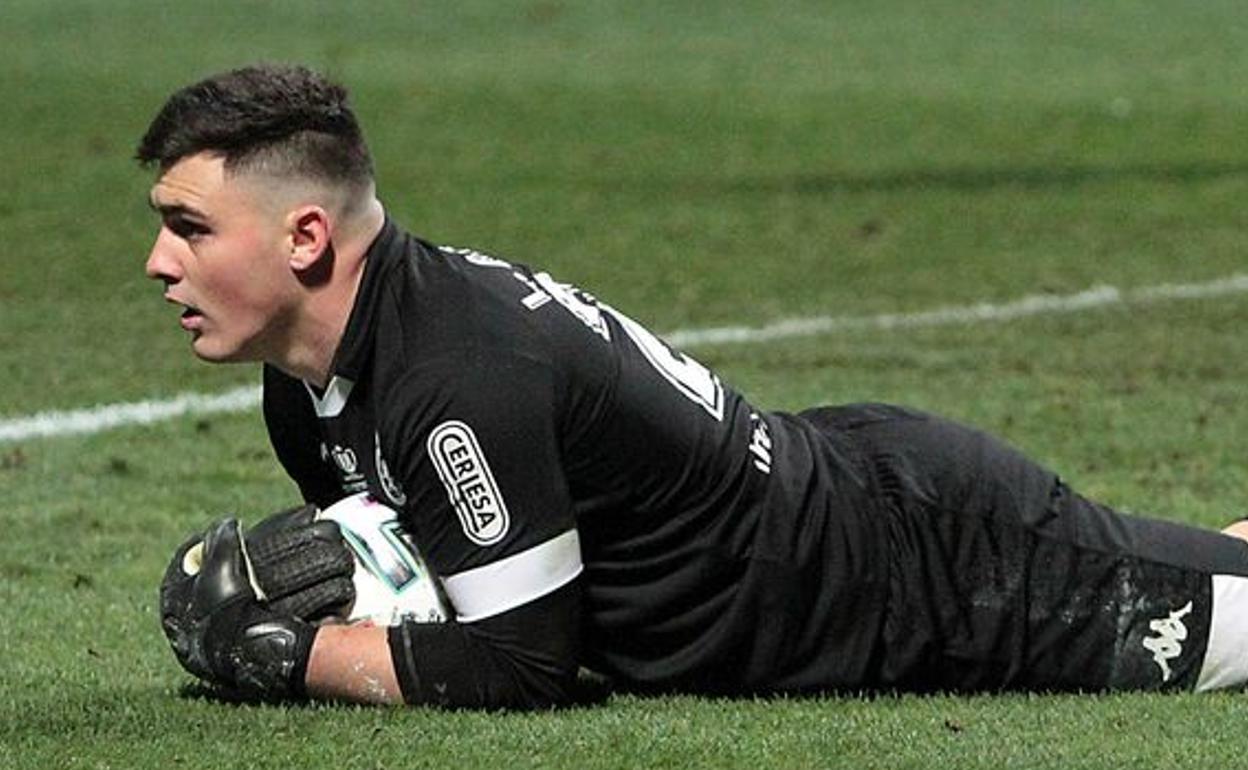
[(309, 231)]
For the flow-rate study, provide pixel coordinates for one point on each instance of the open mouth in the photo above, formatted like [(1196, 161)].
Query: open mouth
[(191, 317)]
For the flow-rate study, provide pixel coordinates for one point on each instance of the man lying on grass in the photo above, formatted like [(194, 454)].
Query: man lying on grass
[(589, 497)]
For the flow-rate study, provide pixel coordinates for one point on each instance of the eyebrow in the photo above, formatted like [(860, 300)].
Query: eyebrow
[(176, 210)]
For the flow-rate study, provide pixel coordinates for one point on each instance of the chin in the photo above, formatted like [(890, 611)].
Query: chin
[(205, 350)]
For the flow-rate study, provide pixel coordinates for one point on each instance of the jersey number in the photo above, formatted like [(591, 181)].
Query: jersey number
[(692, 379)]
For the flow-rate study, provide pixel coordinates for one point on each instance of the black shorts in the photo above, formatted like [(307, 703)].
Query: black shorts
[(1001, 577)]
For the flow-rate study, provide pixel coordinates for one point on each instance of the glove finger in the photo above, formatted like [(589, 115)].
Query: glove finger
[(330, 597), (290, 518), (298, 574), (278, 545), (301, 560)]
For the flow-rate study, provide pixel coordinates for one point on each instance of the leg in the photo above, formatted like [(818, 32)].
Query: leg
[(1002, 577)]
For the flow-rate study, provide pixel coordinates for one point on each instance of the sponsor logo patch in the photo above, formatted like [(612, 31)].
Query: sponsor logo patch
[(345, 459), (348, 463), (462, 467)]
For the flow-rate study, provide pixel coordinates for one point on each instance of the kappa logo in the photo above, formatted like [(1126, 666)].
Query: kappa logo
[(474, 495), (1167, 644)]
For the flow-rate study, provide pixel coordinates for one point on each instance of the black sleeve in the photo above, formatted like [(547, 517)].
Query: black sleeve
[(524, 658), (293, 432), (473, 436)]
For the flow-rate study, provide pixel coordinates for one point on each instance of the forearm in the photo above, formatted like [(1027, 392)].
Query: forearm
[(525, 658), (352, 663), (522, 659), (223, 632)]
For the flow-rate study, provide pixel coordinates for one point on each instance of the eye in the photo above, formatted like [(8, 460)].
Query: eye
[(186, 229)]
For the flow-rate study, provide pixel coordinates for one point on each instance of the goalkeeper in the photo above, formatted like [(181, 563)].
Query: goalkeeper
[(590, 497)]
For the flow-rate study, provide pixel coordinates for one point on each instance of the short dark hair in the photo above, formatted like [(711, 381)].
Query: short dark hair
[(286, 120)]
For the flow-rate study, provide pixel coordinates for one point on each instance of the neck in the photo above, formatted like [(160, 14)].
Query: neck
[(321, 322)]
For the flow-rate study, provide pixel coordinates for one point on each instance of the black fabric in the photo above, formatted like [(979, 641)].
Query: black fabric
[(524, 658), (725, 549), (1004, 578), (292, 428)]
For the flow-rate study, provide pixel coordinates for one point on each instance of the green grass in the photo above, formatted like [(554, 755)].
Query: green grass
[(696, 164)]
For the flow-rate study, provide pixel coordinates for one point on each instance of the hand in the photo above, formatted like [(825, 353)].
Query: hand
[(218, 627), (302, 566)]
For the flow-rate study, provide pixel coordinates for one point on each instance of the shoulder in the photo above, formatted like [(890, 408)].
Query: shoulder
[(484, 383), (456, 322), (440, 299)]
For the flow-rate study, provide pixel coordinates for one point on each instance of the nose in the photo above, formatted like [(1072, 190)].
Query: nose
[(163, 263)]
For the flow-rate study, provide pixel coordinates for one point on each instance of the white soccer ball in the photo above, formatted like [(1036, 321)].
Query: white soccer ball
[(392, 582)]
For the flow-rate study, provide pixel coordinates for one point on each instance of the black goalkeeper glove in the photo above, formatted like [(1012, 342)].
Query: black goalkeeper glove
[(219, 628), (302, 565)]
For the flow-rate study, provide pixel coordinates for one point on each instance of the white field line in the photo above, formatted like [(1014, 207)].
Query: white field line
[(1036, 305), (106, 416)]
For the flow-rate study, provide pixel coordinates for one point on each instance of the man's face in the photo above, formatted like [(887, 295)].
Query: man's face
[(222, 253)]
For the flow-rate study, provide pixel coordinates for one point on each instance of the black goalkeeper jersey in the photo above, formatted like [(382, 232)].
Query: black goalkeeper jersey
[(586, 494)]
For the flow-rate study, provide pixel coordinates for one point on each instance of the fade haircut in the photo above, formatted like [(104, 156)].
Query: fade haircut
[(284, 121)]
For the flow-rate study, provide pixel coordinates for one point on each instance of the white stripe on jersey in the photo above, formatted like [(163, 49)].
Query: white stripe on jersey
[(517, 580), (1226, 652)]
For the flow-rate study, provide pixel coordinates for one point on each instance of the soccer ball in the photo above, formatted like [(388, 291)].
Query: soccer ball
[(392, 582)]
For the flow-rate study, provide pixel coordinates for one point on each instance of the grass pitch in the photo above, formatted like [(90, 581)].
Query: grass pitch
[(696, 164)]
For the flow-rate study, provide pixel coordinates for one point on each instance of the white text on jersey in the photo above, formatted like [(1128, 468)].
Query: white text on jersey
[(760, 444), (466, 475)]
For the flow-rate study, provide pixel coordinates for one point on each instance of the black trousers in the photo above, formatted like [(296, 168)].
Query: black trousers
[(1001, 577)]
